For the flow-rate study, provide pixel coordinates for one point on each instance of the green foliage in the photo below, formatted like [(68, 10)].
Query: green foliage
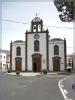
[(66, 9), (9, 71), (45, 71), (69, 69), (17, 72)]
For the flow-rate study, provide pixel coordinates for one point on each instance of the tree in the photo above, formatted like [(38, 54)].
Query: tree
[(65, 7)]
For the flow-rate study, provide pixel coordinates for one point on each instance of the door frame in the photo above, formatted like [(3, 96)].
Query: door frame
[(35, 56), (56, 58), (18, 58)]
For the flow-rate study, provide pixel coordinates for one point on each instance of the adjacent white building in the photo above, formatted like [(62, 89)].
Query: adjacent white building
[(38, 52), (3, 61)]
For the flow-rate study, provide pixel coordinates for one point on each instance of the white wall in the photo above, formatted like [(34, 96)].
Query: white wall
[(61, 54), (3, 61), (42, 50), (14, 46)]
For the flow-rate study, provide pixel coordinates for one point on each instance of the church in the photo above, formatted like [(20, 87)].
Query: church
[(38, 51)]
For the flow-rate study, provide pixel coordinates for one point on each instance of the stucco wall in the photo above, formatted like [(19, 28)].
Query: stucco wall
[(42, 50), (61, 54), (14, 46), (3, 61)]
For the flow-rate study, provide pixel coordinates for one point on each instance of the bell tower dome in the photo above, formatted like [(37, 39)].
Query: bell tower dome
[(36, 25)]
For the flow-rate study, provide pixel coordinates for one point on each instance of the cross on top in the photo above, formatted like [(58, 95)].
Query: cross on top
[(36, 14)]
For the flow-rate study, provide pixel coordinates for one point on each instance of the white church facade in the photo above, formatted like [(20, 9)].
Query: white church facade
[(38, 51)]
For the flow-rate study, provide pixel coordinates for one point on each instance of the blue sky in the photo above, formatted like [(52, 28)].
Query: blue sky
[(25, 12)]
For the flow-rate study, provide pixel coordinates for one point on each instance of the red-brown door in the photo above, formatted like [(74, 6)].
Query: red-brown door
[(56, 65), (36, 64), (36, 61), (18, 64)]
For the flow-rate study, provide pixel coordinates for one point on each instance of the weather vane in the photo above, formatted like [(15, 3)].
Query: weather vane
[(36, 14)]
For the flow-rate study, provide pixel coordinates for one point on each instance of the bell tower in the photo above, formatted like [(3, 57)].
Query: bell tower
[(36, 25), (37, 46)]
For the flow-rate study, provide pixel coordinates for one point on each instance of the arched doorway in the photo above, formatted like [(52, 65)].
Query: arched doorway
[(56, 63), (18, 63), (36, 61)]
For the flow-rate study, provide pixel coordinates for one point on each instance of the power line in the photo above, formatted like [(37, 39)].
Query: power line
[(29, 24), (13, 21), (59, 27)]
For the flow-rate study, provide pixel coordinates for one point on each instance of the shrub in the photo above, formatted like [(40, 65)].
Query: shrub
[(9, 71), (69, 69), (45, 71), (17, 72)]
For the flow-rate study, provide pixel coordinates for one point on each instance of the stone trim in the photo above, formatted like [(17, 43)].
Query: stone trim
[(47, 50), (11, 56), (26, 47), (65, 57), (35, 32)]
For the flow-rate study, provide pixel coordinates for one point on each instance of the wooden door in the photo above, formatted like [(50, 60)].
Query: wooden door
[(18, 64), (56, 65), (36, 64)]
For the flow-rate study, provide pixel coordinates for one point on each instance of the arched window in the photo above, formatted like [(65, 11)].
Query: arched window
[(56, 50), (36, 45), (18, 51)]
